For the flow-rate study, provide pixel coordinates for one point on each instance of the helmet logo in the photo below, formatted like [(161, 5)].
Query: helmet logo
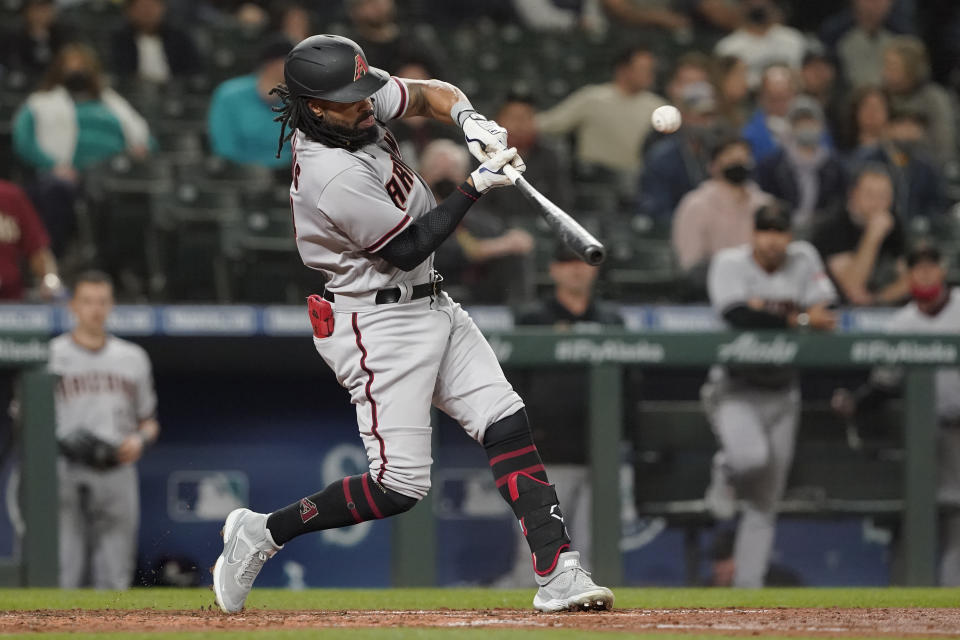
[(361, 69)]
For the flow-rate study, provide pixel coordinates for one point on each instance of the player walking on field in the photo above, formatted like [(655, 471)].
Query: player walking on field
[(394, 339), (771, 283)]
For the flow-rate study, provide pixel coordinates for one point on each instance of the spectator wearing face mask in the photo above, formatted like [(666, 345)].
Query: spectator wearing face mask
[(677, 163), (762, 40), (904, 151), (934, 309), (484, 260), (804, 172), (71, 122), (719, 213)]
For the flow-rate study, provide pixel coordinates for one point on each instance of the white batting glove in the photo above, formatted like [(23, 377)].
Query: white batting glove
[(484, 137), (490, 174)]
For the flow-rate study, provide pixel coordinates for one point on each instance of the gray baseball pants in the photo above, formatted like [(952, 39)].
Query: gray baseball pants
[(757, 431), (99, 523)]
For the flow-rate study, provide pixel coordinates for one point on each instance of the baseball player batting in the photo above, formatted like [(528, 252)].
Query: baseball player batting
[(394, 339), (771, 283)]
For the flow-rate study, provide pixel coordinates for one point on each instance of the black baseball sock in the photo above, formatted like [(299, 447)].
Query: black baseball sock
[(352, 500)]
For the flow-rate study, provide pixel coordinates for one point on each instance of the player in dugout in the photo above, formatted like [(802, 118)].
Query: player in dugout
[(934, 308), (396, 341)]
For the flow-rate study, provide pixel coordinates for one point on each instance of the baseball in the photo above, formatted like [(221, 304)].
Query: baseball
[(666, 119)]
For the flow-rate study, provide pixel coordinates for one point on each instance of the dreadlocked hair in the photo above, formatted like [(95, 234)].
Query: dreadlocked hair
[(294, 113)]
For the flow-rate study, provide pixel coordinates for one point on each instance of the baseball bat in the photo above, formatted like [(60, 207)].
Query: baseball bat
[(570, 231)]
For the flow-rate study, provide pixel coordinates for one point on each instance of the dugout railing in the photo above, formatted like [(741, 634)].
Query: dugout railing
[(605, 355)]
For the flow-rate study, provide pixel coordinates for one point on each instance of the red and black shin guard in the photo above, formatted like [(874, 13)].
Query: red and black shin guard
[(522, 481)]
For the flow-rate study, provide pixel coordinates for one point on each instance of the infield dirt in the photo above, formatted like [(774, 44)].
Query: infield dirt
[(831, 622)]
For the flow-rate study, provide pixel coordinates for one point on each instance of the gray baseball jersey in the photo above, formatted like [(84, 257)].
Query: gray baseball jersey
[(800, 282), (107, 392), (910, 319), (347, 206), (735, 277)]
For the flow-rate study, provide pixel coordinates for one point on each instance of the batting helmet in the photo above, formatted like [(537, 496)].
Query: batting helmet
[(332, 68)]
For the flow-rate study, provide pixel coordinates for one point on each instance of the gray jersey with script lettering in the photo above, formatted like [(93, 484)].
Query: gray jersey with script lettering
[(348, 205), (800, 282), (107, 392)]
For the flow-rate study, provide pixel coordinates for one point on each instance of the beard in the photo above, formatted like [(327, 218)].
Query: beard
[(349, 138)]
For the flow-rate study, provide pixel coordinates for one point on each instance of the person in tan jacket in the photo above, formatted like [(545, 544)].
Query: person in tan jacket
[(719, 213), (610, 121)]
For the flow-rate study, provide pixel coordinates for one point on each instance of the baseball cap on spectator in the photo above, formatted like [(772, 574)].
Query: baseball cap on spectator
[(698, 97), (771, 217), (805, 108), (923, 252)]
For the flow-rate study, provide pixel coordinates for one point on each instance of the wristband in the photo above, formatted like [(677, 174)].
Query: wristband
[(461, 111)]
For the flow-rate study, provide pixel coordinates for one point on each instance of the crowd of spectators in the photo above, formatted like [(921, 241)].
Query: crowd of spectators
[(819, 106)]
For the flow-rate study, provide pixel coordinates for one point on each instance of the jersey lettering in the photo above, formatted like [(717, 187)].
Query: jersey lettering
[(398, 188)]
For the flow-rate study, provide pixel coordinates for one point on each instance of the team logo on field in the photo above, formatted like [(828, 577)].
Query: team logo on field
[(308, 510), (361, 68)]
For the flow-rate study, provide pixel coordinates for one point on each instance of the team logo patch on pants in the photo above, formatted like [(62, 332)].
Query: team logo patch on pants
[(308, 510)]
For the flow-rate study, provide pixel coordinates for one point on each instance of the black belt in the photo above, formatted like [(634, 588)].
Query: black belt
[(392, 295)]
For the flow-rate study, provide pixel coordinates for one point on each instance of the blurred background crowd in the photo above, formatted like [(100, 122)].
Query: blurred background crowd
[(137, 137)]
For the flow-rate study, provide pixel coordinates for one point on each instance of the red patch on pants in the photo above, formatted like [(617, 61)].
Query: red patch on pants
[(321, 316)]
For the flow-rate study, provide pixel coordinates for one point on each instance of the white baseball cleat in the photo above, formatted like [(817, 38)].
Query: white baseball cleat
[(247, 544), (569, 588)]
